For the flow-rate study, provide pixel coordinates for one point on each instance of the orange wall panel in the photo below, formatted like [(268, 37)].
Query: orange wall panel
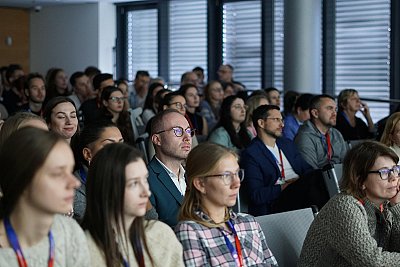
[(14, 23)]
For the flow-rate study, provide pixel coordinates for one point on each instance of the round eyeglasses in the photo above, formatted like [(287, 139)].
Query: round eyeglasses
[(117, 99), (178, 131), (228, 177), (178, 105), (385, 172)]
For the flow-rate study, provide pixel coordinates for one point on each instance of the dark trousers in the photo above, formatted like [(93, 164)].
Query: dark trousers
[(307, 191)]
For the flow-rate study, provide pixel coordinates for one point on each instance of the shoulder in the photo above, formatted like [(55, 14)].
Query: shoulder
[(157, 230), (66, 226), (96, 255)]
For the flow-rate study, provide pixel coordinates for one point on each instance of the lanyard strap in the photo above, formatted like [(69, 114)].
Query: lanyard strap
[(329, 146), (235, 252), (13, 239), (83, 174), (281, 163)]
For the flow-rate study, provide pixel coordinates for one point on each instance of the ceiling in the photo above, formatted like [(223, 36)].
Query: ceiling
[(44, 3)]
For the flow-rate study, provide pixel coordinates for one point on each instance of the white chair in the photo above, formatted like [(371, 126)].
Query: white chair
[(139, 133), (285, 233), (332, 175)]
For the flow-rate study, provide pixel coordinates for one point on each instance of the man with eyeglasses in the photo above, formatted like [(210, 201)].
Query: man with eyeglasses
[(275, 170), (171, 136), (317, 139)]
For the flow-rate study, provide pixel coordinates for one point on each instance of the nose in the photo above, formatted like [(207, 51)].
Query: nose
[(145, 190), (73, 182)]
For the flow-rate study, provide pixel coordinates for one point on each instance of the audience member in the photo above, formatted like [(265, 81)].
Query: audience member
[(18, 121), (289, 101), (90, 140), (231, 131), (91, 108), (391, 134), (172, 140), (189, 77), (200, 79), (273, 95), (225, 75), (91, 72), (207, 226), (123, 85), (140, 89), (252, 103), (317, 140), (360, 226), (150, 108), (175, 101), (229, 89), (277, 176), (34, 233), (349, 125), (61, 117), (117, 234), (210, 106), (56, 84), (81, 88), (196, 121), (11, 96), (301, 113), (112, 108), (35, 91)]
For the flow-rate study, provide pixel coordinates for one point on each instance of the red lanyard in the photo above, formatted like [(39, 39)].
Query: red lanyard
[(235, 252), (13, 239), (329, 146), (281, 163)]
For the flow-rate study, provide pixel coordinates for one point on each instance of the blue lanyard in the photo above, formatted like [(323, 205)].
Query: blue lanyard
[(83, 174), (13, 239), (235, 252)]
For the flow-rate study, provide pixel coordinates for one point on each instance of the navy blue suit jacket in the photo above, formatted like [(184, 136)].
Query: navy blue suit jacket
[(165, 197), (261, 173)]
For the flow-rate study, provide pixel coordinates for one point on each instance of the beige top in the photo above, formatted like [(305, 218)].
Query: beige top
[(163, 245), (71, 247)]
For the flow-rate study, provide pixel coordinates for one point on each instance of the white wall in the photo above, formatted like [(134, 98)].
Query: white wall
[(73, 37)]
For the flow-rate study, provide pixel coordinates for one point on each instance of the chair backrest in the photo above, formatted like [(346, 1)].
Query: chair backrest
[(285, 233), (332, 175)]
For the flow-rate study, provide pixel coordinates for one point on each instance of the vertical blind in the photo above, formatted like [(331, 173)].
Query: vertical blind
[(187, 37), (363, 50), (142, 42), (241, 41), (278, 44)]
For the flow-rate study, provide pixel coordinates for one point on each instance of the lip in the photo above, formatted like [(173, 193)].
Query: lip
[(186, 147), (69, 199), (69, 129)]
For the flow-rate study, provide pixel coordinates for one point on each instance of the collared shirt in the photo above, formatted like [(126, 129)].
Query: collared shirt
[(179, 181), (203, 246), (288, 169)]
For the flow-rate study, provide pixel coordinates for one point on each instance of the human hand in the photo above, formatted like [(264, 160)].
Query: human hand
[(396, 199)]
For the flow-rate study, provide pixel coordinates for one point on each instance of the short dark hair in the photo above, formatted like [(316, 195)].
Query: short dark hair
[(262, 112), (316, 100), (167, 100), (99, 78), (11, 69), (31, 76), (270, 89), (142, 73), (200, 69), (75, 76), (92, 71), (303, 101)]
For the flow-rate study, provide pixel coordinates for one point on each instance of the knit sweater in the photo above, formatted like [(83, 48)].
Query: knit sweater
[(71, 249), (164, 248), (349, 233)]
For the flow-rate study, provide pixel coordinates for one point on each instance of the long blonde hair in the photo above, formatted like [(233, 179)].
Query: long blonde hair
[(389, 129), (200, 163)]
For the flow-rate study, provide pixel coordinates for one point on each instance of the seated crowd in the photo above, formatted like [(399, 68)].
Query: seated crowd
[(75, 189)]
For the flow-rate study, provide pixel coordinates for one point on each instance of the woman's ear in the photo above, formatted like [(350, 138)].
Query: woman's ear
[(198, 183), (87, 154), (105, 103)]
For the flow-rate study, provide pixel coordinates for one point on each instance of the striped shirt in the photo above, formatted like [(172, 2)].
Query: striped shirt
[(203, 246)]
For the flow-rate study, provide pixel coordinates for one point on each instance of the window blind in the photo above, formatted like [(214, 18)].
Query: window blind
[(142, 42), (187, 37), (363, 51), (278, 44), (241, 41)]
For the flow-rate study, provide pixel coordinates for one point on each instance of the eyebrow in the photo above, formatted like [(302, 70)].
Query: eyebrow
[(64, 113), (111, 140)]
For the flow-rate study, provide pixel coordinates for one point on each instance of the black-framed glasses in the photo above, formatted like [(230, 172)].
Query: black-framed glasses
[(385, 172), (280, 120), (228, 177), (178, 105), (117, 99), (178, 131)]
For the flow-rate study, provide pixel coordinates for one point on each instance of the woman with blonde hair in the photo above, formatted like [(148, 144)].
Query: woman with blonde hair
[(252, 103), (210, 232), (391, 134)]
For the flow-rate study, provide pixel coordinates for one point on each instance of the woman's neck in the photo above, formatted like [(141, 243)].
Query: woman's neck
[(191, 110), (214, 103), (236, 126), (351, 116), (115, 116), (30, 225)]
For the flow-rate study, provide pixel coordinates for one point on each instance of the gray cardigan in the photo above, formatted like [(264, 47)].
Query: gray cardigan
[(348, 233)]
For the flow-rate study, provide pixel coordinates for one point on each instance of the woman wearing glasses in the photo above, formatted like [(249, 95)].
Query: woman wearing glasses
[(360, 226), (112, 108), (210, 232), (231, 131)]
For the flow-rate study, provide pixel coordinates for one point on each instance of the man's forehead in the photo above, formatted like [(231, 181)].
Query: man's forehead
[(175, 119)]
